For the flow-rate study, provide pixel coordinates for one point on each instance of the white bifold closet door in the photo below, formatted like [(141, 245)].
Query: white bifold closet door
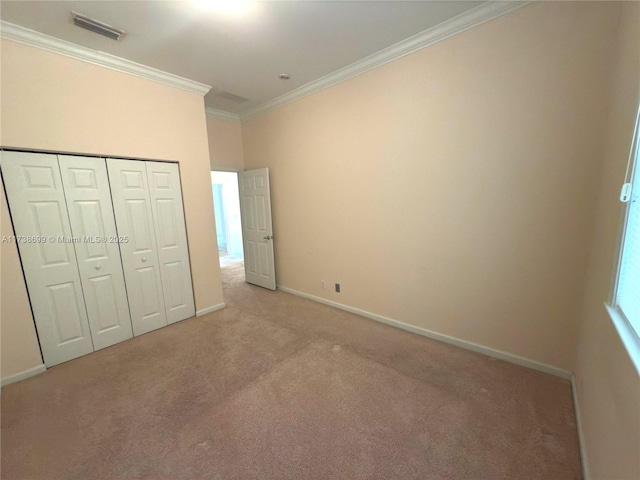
[(103, 247), (171, 239), (132, 207), (147, 202), (39, 212), (86, 187)]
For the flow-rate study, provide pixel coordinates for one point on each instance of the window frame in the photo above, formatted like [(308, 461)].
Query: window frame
[(629, 334)]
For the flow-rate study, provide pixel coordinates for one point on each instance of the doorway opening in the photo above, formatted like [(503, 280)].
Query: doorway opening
[(226, 205)]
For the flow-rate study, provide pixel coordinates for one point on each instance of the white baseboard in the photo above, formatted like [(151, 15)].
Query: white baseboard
[(204, 311), (23, 375), (581, 441), (508, 357)]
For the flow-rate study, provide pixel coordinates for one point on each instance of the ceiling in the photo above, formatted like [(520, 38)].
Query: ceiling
[(239, 54)]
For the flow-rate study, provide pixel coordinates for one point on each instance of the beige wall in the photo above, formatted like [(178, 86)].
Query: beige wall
[(51, 102), (608, 384), (225, 144), (19, 348), (452, 189)]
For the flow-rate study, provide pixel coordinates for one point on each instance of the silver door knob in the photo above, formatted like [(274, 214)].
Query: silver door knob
[(144, 259), (98, 266), (268, 237)]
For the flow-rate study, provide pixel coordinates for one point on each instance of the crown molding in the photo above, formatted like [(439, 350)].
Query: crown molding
[(458, 24), (222, 115), (32, 38)]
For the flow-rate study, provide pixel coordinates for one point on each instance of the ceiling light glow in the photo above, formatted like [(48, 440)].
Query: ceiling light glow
[(232, 8)]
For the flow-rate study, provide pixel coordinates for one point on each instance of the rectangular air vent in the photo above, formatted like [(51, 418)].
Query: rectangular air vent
[(230, 96), (97, 27)]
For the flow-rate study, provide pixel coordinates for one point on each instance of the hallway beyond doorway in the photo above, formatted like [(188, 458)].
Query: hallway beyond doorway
[(232, 272), (226, 204)]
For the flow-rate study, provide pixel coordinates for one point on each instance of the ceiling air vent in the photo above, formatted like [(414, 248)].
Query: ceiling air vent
[(230, 96), (97, 27)]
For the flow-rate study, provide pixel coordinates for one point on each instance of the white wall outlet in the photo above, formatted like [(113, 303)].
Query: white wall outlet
[(322, 284)]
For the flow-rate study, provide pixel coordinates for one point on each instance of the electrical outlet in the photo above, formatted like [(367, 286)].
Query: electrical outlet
[(337, 288), (322, 285)]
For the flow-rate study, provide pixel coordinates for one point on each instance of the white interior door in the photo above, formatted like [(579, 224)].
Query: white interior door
[(257, 228), (39, 212), (171, 239), (134, 219), (86, 188)]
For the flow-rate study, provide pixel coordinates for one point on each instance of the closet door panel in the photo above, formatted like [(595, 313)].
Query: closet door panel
[(134, 219), (39, 213), (171, 238), (86, 187)]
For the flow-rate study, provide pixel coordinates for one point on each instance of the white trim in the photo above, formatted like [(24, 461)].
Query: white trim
[(628, 336), (458, 24), (214, 308), (475, 347), (222, 115), (23, 375), (581, 441), (26, 36)]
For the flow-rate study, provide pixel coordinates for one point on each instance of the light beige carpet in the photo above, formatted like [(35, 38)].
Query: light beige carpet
[(279, 387)]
